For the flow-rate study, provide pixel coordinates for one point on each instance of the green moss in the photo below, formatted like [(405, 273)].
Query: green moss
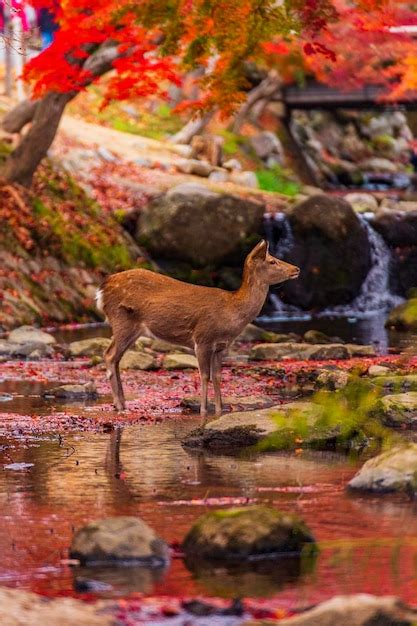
[(5, 149), (276, 181), (404, 316), (232, 142), (73, 226)]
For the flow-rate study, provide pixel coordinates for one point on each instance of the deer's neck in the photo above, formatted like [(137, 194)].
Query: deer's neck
[(251, 296)]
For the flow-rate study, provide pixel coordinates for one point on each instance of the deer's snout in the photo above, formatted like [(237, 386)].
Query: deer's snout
[(295, 273)]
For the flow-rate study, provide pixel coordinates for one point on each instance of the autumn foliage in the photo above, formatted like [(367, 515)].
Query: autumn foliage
[(345, 43)]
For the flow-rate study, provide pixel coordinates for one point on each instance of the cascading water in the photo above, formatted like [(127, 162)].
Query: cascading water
[(374, 297)]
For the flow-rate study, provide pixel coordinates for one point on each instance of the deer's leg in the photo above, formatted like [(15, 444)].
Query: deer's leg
[(203, 354), (216, 377), (112, 356)]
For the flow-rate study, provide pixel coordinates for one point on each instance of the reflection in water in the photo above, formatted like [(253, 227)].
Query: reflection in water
[(144, 471), (121, 581), (262, 578)]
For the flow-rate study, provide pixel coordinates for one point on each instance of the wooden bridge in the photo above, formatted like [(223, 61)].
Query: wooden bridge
[(319, 96)]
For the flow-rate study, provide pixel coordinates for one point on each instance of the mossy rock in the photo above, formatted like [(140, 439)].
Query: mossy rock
[(403, 382), (404, 316), (283, 427), (244, 533), (394, 470), (400, 408)]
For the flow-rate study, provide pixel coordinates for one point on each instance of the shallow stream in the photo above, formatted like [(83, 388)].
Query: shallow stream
[(50, 485)]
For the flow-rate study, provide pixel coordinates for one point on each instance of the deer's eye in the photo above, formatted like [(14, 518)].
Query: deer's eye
[(271, 262)]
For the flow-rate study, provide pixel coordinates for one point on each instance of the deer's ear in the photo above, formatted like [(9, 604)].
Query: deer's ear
[(260, 251)]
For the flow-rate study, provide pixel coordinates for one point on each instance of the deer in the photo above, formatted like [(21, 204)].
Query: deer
[(207, 319)]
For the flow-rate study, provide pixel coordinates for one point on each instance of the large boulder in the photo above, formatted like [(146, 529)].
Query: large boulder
[(395, 470), (244, 533), (399, 230), (118, 540), (331, 246), (194, 224)]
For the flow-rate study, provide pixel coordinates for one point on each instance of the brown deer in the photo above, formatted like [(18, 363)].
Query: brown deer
[(206, 319)]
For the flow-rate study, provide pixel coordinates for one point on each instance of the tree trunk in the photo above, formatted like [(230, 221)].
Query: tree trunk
[(19, 116), (24, 160), (194, 127), (264, 91), (45, 116)]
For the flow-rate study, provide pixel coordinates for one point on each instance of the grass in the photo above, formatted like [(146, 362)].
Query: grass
[(276, 181), (156, 121)]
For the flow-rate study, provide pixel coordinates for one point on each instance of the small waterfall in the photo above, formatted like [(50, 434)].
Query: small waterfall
[(374, 296)]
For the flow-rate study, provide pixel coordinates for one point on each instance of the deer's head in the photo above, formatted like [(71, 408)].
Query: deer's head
[(268, 268)]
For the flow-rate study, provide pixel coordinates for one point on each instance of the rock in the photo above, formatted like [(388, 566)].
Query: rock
[(32, 350), (255, 333), (358, 350), (336, 379), (143, 342), (232, 164), (245, 533), (378, 164), (404, 316), (331, 351), (134, 360), (396, 229), (245, 403), (106, 155), (246, 178), (277, 351), (89, 347), (300, 351), (24, 608), (194, 166), (266, 143), (251, 333), (118, 539), (179, 361), (397, 382), (176, 224), (164, 346), (218, 176), (398, 206), (355, 610), (379, 370), (331, 246), (394, 470), (400, 408), (246, 428), (73, 392), (29, 334), (362, 202), (316, 336), (7, 347)]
